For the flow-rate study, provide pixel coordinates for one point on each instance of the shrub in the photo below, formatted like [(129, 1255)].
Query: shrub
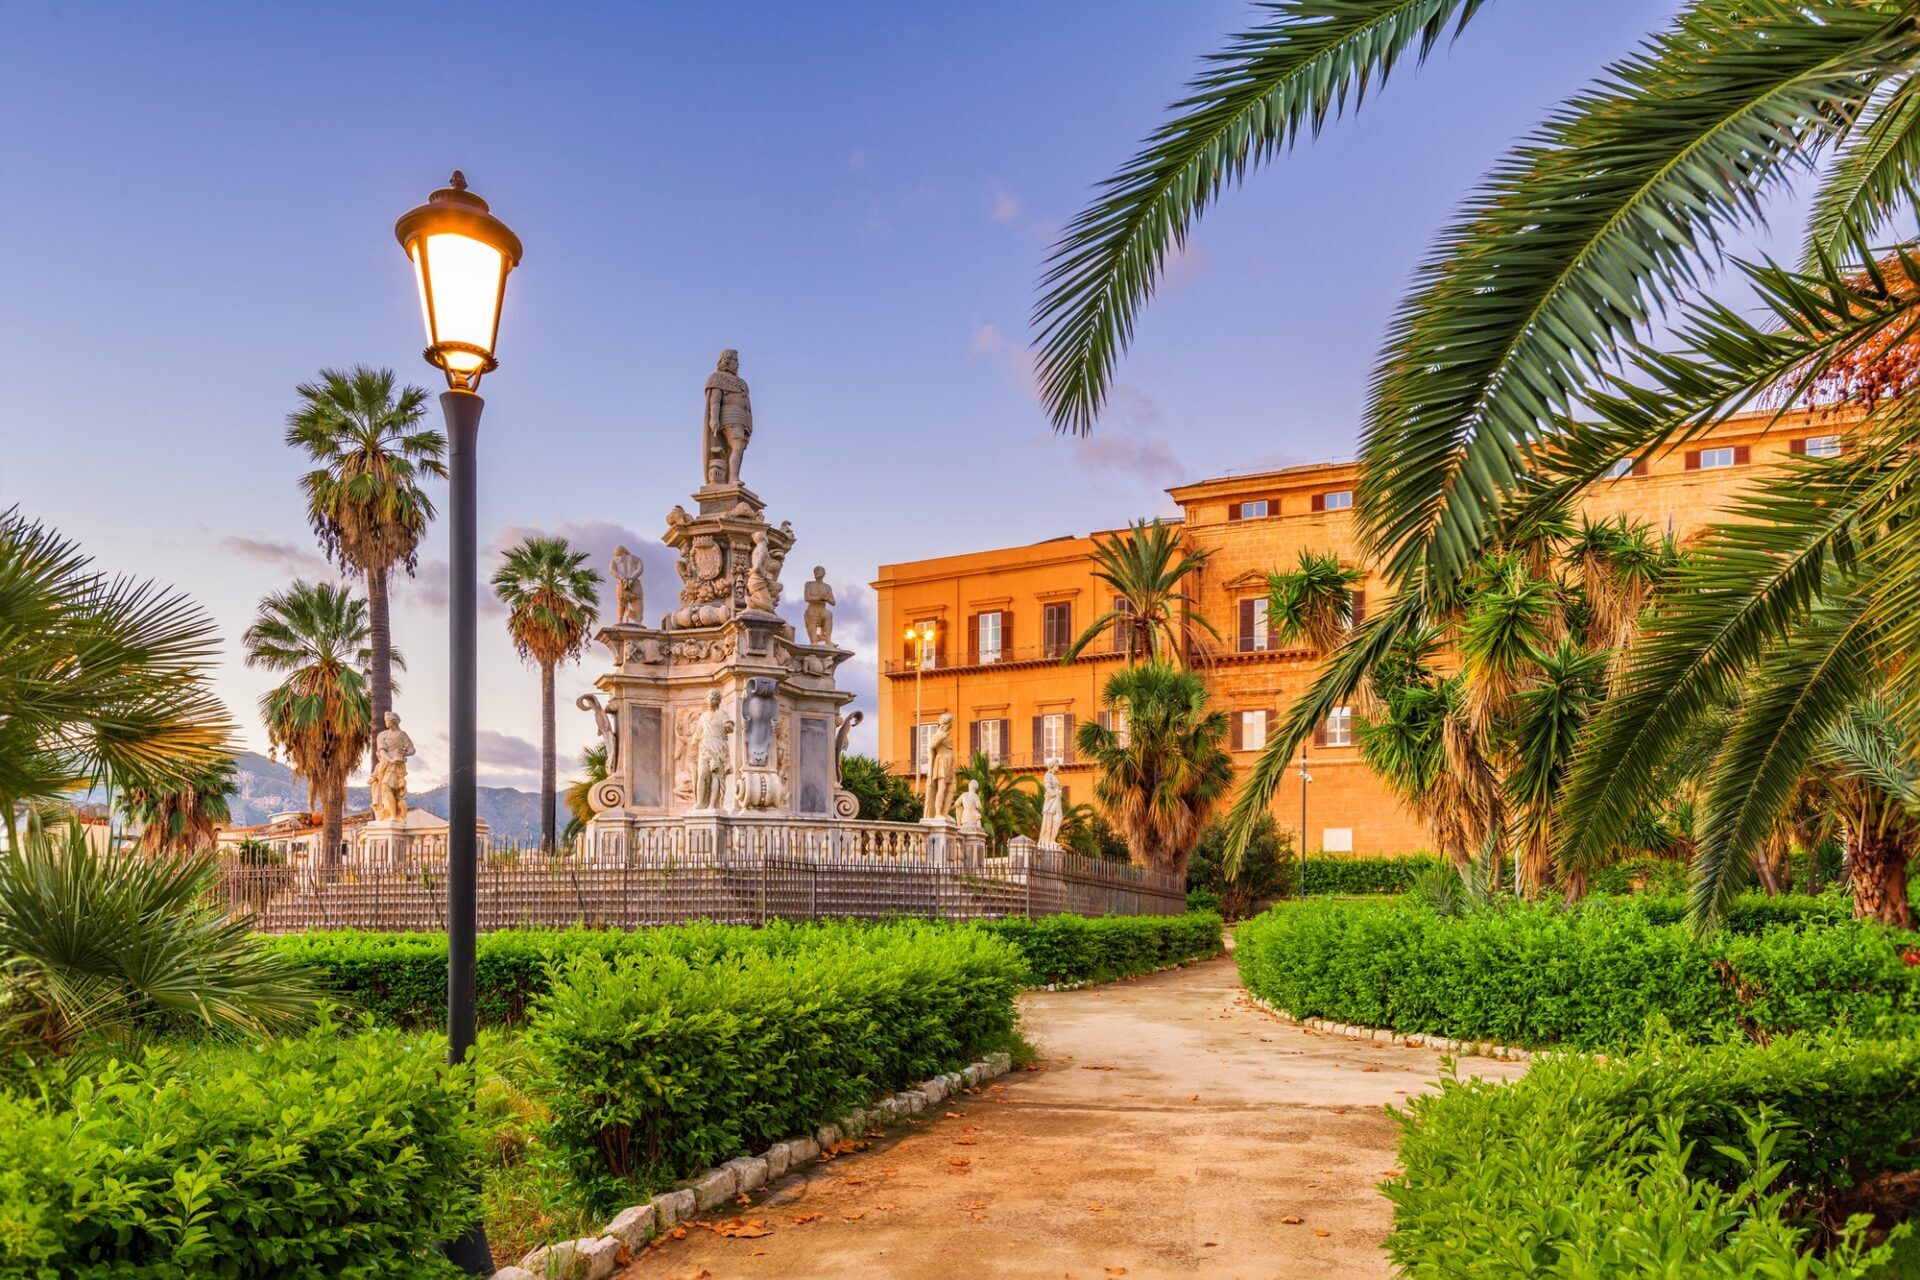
[(1396, 873), (1724, 1155), (401, 978), (1069, 949), (325, 1154), (657, 1066), (1268, 868), (1588, 978)]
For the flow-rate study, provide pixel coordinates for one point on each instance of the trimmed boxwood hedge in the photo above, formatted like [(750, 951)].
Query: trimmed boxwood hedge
[(401, 978), (1587, 978), (1396, 873), (658, 1066), (324, 1154), (1677, 1159)]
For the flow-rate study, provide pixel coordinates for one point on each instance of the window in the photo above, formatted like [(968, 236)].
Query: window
[(922, 734), (1822, 446), (923, 646), (1253, 730), (1338, 500), (990, 740), (1253, 510), (1116, 720), (1053, 738), (1056, 626), (1123, 626), (1254, 634), (1339, 728), (1721, 457), (991, 630), (1624, 467)]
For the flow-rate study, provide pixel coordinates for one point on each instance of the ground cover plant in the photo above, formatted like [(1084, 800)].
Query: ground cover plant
[(401, 978), (1732, 1159), (1588, 978)]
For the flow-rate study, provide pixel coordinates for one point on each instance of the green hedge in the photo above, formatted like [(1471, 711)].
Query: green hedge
[(326, 1154), (658, 1066), (1588, 978), (401, 978), (1333, 874), (1677, 1159)]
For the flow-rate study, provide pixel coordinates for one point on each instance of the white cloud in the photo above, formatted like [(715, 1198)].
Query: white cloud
[(1003, 206)]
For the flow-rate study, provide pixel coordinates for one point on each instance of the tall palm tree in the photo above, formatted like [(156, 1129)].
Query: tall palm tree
[(184, 817), (364, 496), (1145, 567), (101, 679), (1538, 300), (552, 599), (1160, 783), (315, 636)]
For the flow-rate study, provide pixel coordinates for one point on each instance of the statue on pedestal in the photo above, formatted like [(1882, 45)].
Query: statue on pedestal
[(819, 615), (1052, 811), (715, 760), (727, 424), (967, 807), (389, 781), (763, 575), (940, 768), (627, 597)]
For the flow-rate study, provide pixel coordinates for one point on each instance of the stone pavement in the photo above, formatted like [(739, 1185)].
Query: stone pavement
[(1172, 1129)]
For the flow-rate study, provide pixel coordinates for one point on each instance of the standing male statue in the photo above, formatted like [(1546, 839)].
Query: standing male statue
[(819, 615), (715, 759), (627, 596), (1052, 811), (728, 423), (389, 781), (940, 768)]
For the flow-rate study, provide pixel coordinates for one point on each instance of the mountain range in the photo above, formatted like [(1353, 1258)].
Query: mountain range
[(265, 787)]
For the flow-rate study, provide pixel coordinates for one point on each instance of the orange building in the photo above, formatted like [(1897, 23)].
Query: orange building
[(999, 622)]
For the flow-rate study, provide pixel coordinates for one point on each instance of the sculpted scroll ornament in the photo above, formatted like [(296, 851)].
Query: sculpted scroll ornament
[(604, 725)]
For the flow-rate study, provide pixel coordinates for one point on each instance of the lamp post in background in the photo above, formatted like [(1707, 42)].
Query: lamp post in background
[(1305, 778), (921, 638), (461, 255)]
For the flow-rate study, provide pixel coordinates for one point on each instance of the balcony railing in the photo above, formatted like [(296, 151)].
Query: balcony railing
[(968, 660), (1007, 760)]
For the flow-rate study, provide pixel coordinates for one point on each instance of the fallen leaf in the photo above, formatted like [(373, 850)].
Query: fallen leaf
[(852, 1181), (1321, 1231), (1095, 1205), (979, 1217), (1369, 1068), (679, 1233), (1293, 1219), (959, 1162), (886, 1206), (802, 1219), (740, 1229), (1193, 1097), (854, 1216), (974, 1204), (1392, 1173), (758, 1253), (1116, 1271), (1085, 1068), (966, 1142), (953, 1115)]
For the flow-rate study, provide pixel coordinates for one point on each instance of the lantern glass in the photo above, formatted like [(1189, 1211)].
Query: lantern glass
[(460, 284)]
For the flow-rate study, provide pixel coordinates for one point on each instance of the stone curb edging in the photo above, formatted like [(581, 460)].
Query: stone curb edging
[(596, 1257), (1101, 982), (1462, 1048)]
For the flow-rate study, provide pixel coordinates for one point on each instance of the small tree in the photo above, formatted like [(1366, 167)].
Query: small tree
[(884, 796), (1163, 779), (1270, 867)]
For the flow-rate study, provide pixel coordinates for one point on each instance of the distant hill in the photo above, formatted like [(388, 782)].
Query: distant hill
[(266, 787)]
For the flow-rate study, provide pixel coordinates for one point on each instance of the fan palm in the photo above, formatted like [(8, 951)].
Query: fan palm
[(315, 636), (1009, 801), (1163, 780), (1535, 303), (552, 599), (92, 942), (100, 678), (184, 817), (1145, 567), (364, 495)]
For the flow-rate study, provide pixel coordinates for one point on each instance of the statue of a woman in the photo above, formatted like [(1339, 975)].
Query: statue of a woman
[(1052, 811)]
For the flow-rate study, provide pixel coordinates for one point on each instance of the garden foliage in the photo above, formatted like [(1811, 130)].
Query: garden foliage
[(401, 979), (1587, 978), (659, 1065), (1679, 1159), (1336, 874), (323, 1154)]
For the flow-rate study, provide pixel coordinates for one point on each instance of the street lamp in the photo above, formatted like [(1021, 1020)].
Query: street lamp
[(461, 255), (921, 638), (1305, 778)]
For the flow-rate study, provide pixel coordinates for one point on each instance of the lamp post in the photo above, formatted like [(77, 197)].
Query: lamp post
[(461, 255), (1305, 778), (921, 638)]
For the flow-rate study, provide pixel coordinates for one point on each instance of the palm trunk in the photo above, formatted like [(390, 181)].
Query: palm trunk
[(333, 803), (546, 757), (381, 641), (1878, 860)]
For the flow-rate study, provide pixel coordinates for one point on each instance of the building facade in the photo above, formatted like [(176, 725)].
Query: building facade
[(990, 627)]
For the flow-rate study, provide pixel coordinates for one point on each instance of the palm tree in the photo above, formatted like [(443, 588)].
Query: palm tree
[(315, 635), (1537, 301), (184, 817), (1145, 567), (1009, 801), (552, 599), (1314, 601), (101, 679), (1162, 781), (364, 498), (593, 765)]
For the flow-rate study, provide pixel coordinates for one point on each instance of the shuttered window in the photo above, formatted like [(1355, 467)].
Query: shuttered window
[(1254, 635), (989, 738), (989, 630), (1056, 628), (1053, 738)]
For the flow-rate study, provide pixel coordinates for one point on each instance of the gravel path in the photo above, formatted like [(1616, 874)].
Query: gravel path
[(1171, 1129)]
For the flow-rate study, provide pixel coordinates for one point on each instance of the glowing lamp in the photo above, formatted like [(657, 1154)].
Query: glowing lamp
[(461, 255)]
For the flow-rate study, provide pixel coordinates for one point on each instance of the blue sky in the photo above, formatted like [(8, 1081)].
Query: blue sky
[(197, 210)]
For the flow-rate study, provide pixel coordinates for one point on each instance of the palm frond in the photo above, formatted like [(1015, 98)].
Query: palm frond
[(1871, 181)]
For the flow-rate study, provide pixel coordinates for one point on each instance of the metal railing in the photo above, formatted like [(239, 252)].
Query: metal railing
[(736, 872), (1008, 656)]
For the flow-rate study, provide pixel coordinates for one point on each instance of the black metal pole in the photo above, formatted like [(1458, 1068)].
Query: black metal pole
[(462, 410)]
